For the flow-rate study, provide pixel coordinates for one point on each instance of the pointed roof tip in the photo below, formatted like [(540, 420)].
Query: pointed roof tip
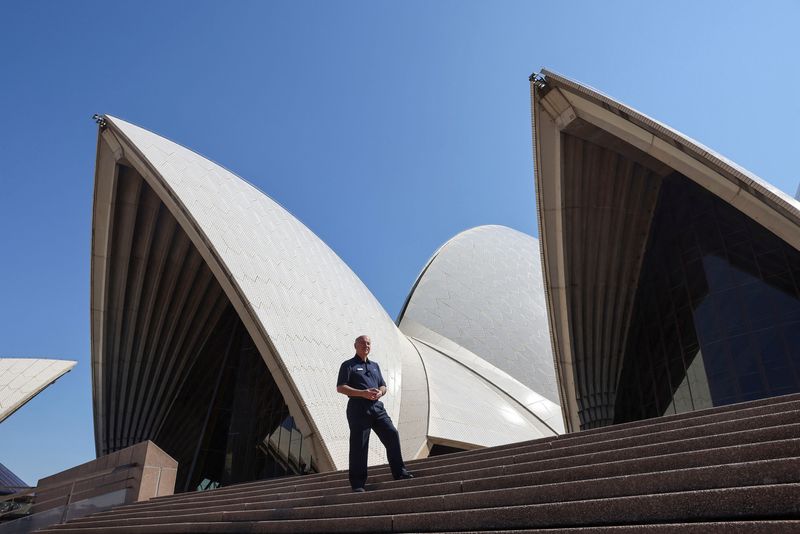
[(539, 79), (537, 74), (100, 119), (106, 119), (779, 199)]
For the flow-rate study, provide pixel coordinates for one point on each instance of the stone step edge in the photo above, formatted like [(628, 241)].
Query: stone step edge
[(714, 428), (562, 441), (775, 471), (747, 436), (783, 403), (787, 526), (750, 502), (705, 505), (772, 450), (720, 527)]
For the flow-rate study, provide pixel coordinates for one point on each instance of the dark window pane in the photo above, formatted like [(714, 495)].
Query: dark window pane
[(779, 379), (716, 283)]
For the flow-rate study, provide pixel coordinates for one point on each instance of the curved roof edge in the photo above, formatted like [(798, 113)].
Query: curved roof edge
[(433, 257), (546, 412), (561, 106), (301, 304), (21, 379), (128, 150), (778, 200), (483, 289)]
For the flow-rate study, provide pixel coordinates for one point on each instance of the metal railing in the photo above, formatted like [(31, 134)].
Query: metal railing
[(70, 504)]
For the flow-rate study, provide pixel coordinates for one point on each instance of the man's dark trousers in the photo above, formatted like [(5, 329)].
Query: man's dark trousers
[(363, 416)]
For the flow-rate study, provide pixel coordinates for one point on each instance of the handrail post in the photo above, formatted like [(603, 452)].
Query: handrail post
[(69, 500)]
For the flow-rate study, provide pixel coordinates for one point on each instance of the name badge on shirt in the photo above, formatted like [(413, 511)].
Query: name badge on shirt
[(359, 368)]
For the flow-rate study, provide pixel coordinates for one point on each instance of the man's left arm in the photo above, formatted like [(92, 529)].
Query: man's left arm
[(382, 387)]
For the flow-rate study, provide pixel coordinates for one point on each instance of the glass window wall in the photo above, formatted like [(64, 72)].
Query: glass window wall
[(717, 314)]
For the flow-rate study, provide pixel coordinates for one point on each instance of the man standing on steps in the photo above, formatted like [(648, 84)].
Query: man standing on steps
[(360, 379)]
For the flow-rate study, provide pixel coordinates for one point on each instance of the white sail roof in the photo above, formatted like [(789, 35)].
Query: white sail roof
[(594, 222), (483, 290), (303, 307), (21, 379), (301, 304)]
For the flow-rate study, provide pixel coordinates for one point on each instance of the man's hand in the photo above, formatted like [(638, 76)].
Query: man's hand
[(371, 394)]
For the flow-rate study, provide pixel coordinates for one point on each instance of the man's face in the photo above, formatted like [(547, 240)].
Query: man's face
[(363, 345)]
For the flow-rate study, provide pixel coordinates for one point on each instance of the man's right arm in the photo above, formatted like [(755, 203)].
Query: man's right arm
[(344, 389)]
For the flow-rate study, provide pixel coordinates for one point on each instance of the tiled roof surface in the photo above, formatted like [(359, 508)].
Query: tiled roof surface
[(307, 301), (23, 378), (484, 291)]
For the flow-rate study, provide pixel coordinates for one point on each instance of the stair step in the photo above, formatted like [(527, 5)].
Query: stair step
[(751, 503), (734, 469), (541, 461), (759, 503), (677, 422), (742, 474), (777, 453), (727, 527), (784, 425), (636, 428)]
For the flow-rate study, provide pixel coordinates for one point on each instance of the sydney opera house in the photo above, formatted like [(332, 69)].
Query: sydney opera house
[(666, 279), (219, 322)]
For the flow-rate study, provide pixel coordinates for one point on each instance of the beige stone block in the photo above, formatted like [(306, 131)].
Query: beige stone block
[(47, 502), (102, 462), (135, 475), (148, 487), (139, 452), (112, 481), (166, 485), (81, 471), (158, 458), (124, 457), (82, 486), (53, 479)]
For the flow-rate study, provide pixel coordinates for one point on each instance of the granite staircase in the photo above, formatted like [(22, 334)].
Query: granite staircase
[(732, 469)]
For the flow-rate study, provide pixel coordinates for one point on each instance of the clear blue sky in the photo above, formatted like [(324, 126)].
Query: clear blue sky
[(386, 127)]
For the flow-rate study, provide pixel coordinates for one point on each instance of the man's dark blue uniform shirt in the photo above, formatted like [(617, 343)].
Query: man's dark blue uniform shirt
[(360, 375)]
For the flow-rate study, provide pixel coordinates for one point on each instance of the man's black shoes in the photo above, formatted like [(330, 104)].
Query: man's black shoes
[(405, 475)]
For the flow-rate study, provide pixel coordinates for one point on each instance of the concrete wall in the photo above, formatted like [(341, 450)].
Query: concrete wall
[(143, 470)]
